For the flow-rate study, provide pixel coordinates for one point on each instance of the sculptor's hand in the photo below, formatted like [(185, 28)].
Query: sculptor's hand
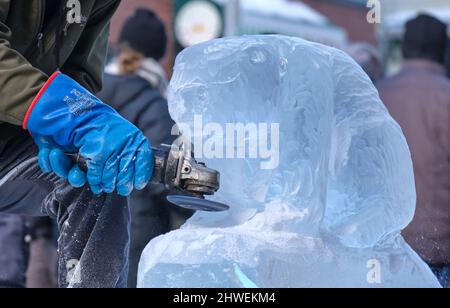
[(65, 117)]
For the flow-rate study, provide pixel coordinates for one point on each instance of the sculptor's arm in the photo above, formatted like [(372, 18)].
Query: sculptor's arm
[(87, 61), (20, 82)]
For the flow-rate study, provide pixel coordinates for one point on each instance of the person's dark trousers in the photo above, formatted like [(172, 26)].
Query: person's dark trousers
[(150, 218), (14, 251), (42, 263), (443, 274), (17, 233), (94, 230)]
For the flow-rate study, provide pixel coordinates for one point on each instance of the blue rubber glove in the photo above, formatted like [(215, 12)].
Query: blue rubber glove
[(65, 117)]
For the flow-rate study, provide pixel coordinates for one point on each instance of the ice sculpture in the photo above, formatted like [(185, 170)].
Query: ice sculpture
[(331, 212)]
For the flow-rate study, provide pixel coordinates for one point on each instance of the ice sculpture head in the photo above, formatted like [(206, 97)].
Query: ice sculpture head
[(337, 161), (267, 86), (226, 72)]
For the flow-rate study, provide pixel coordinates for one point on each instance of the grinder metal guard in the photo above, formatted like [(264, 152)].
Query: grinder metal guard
[(176, 168)]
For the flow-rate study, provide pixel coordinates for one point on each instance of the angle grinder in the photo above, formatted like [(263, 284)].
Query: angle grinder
[(177, 169)]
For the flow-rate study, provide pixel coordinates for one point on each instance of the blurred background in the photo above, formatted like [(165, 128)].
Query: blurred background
[(338, 23)]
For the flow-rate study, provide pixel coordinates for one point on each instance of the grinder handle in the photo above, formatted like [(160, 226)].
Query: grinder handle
[(79, 160), (158, 173)]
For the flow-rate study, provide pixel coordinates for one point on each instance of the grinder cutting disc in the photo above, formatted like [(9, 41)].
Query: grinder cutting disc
[(197, 204)]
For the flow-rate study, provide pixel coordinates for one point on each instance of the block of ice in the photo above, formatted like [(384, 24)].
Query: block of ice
[(330, 213)]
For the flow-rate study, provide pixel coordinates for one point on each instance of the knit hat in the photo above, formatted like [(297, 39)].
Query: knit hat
[(145, 33), (425, 38)]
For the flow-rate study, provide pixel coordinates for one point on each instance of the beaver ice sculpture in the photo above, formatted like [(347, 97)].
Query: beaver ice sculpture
[(330, 213)]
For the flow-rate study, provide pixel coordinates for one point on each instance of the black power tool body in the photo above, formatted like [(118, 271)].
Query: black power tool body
[(177, 170)]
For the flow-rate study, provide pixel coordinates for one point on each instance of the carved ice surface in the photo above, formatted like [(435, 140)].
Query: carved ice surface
[(331, 213)]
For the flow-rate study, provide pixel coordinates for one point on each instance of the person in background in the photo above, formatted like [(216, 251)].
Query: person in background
[(419, 99), (135, 85), (369, 58), (140, 52)]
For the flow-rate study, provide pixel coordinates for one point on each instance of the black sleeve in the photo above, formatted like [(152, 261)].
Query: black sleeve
[(87, 62)]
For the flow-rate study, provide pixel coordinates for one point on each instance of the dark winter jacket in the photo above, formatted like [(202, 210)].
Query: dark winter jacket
[(419, 99), (138, 102), (31, 47)]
